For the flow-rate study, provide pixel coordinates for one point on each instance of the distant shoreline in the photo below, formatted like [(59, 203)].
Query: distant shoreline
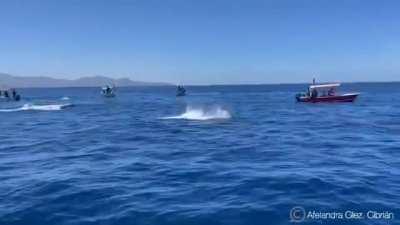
[(90, 81), (214, 85), (98, 81)]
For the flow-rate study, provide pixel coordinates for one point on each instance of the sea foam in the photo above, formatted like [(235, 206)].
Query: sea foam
[(32, 107), (202, 113)]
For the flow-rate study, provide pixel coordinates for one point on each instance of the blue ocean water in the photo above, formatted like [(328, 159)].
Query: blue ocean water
[(221, 155)]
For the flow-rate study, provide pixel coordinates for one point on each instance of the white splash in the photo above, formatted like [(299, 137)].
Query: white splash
[(31, 107), (213, 113), (66, 98)]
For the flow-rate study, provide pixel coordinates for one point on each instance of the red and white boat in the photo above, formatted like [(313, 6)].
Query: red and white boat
[(325, 93)]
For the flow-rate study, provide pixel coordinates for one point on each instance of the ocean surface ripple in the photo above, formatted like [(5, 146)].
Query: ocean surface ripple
[(221, 155)]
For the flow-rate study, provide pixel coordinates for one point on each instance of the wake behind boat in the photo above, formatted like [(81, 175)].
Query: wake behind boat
[(325, 93), (108, 92)]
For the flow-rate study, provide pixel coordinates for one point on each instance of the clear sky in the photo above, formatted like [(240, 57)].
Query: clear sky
[(203, 41)]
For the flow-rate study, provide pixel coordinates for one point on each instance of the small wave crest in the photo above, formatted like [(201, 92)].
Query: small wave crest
[(66, 98), (203, 113), (32, 107)]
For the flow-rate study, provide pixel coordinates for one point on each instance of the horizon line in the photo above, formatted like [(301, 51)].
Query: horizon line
[(210, 85)]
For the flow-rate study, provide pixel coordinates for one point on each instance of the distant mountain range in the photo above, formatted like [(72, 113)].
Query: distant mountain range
[(7, 80)]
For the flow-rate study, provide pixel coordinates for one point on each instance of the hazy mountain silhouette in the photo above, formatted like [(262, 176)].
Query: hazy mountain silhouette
[(91, 81)]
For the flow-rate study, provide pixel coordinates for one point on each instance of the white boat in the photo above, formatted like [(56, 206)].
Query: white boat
[(108, 92), (181, 91), (325, 93), (7, 95)]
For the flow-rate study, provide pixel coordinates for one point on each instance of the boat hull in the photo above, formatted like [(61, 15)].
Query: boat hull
[(112, 95), (4, 99), (337, 98), (108, 93)]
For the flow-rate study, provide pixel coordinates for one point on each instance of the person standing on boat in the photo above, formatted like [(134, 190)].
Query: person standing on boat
[(331, 92), (6, 94), (314, 93)]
